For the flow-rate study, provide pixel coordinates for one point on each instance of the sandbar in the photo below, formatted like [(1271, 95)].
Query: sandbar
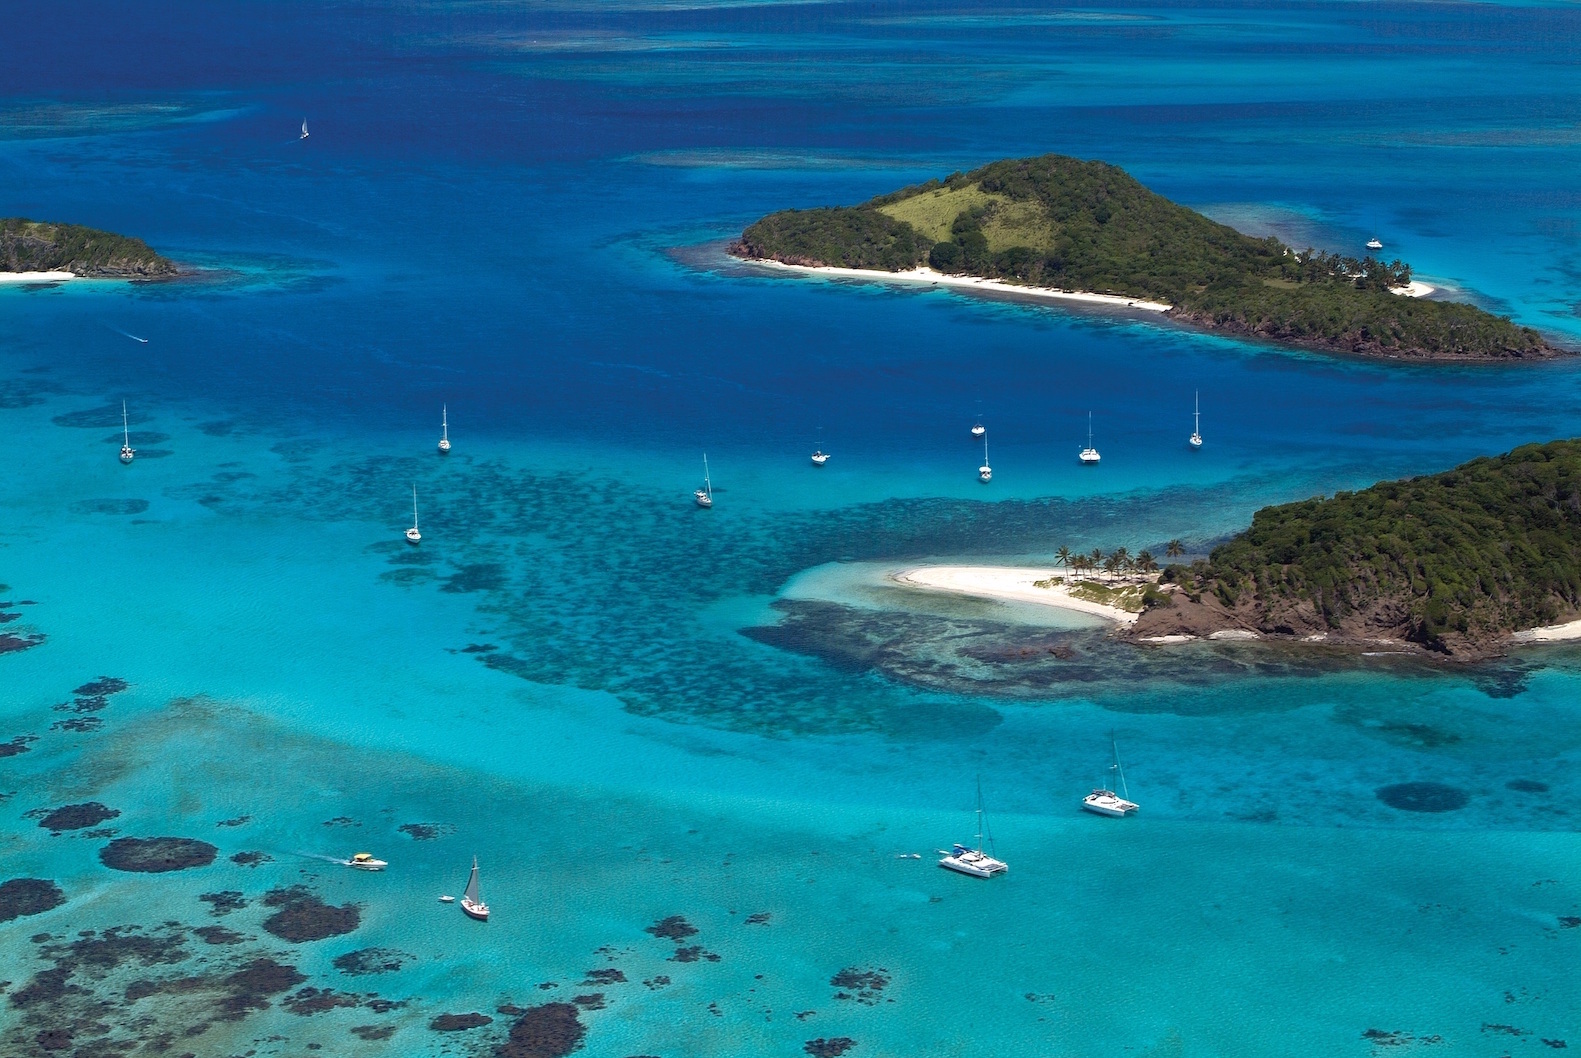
[(35, 277), (928, 277), (1549, 633), (1013, 583)]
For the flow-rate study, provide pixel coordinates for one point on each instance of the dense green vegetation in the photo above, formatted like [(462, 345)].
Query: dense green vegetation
[(1061, 222), (1490, 547), (31, 246)]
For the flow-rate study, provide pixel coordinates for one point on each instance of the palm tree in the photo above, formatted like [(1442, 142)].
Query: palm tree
[(1123, 557), (1174, 549), (1113, 563), (1082, 563), (1063, 557), (1144, 562)]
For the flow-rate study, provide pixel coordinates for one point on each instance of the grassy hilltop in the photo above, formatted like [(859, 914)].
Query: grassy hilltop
[(32, 246), (1061, 222), (1453, 562)]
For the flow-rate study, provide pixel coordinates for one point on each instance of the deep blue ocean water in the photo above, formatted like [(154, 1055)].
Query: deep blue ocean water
[(630, 709)]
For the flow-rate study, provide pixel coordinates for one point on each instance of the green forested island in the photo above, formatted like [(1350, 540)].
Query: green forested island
[(1064, 223), (33, 246), (1453, 562)]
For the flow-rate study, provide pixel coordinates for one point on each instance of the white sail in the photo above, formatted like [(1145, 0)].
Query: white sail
[(471, 893)]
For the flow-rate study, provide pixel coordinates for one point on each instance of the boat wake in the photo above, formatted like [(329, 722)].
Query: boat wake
[(128, 334)]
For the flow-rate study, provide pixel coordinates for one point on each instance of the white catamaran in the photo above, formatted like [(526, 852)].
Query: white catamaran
[(412, 535), (705, 495), (975, 862), (444, 430), (127, 451), (1089, 454), (472, 900), (1196, 420), (1104, 800)]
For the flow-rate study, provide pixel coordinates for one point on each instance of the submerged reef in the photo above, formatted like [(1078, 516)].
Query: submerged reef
[(303, 916), (552, 1030), (76, 817), (28, 896), (157, 855), (1423, 797)]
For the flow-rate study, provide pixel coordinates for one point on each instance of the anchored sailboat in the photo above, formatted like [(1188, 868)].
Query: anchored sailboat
[(1089, 454), (705, 495), (412, 535), (985, 473), (1104, 800), (1196, 420), (444, 428), (819, 456), (127, 451), (975, 862), (472, 900)]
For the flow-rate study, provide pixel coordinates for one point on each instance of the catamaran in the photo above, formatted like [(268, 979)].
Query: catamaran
[(1104, 800), (412, 535), (1196, 419), (472, 900), (819, 456), (444, 430), (127, 451), (705, 495), (985, 473), (1374, 244), (1089, 454), (304, 130), (975, 862)]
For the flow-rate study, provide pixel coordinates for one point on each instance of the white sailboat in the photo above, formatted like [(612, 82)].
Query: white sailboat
[(412, 535), (1196, 420), (705, 495), (1104, 800), (975, 862), (979, 430), (444, 430), (304, 130), (985, 473), (1089, 454), (472, 900), (127, 451), (1374, 244), (819, 456)]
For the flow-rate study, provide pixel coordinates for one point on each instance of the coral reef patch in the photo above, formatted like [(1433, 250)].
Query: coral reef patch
[(156, 855)]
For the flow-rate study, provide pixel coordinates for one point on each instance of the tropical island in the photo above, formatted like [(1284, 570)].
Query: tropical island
[(1460, 564), (59, 251), (1054, 223)]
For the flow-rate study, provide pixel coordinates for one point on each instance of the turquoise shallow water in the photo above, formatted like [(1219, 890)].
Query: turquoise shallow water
[(630, 709)]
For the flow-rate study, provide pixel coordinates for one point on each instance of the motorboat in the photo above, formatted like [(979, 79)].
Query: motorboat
[(365, 861)]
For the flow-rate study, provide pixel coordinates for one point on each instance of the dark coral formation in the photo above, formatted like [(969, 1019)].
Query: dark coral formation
[(28, 896), (1526, 786), (459, 1022), (607, 975), (830, 1048), (371, 961), (102, 687), (218, 935), (426, 831), (1423, 797), (553, 1030), (692, 953), (76, 817), (110, 506), (309, 1001), (156, 855), (11, 643), (304, 917), (758, 918), (251, 859), (224, 902), (78, 723), (674, 927), (591, 1001), (19, 744), (864, 986)]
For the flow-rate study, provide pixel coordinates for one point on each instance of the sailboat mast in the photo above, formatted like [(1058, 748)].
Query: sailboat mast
[(979, 814), (1196, 412), (1119, 771), (444, 421), (414, 506), (126, 431), (1089, 429), (708, 485)]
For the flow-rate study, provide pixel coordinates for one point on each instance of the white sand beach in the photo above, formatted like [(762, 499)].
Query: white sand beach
[(1413, 289), (1007, 583), (35, 277), (928, 277), (1549, 633)]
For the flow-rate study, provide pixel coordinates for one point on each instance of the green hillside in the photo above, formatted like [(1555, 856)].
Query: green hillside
[(1449, 560), (1061, 222), (32, 246)]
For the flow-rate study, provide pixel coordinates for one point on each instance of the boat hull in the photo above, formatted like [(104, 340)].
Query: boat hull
[(974, 866), (1108, 806), (477, 911)]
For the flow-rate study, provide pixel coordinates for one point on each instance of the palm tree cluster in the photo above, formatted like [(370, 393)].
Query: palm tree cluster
[(1118, 561)]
